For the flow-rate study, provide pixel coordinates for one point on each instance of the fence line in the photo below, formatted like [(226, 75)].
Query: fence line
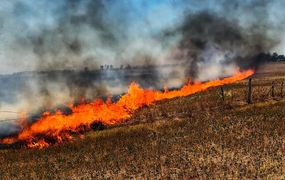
[(249, 95)]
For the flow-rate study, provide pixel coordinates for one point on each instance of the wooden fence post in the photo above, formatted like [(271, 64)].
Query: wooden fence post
[(249, 91), (282, 86), (223, 93), (272, 89)]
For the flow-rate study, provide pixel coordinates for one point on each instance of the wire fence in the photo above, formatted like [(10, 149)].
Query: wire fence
[(271, 92)]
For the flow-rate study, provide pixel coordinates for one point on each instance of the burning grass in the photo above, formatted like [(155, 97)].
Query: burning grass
[(199, 136), (57, 128)]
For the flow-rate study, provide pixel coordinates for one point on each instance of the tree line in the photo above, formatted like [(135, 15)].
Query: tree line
[(271, 57)]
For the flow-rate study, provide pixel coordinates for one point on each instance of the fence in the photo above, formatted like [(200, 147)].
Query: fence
[(249, 91), (249, 96)]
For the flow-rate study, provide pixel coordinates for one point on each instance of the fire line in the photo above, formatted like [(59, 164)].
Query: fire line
[(58, 126)]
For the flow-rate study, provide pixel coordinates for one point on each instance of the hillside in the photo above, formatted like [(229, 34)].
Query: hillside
[(199, 136)]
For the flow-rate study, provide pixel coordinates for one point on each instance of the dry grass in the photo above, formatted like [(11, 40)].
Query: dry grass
[(190, 137)]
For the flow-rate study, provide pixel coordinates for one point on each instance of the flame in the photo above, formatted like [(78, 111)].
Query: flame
[(40, 144), (54, 126)]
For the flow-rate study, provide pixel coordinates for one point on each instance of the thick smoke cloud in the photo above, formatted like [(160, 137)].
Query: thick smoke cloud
[(66, 41), (72, 34), (213, 43), (223, 36)]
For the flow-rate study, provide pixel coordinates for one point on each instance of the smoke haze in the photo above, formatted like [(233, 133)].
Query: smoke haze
[(203, 40)]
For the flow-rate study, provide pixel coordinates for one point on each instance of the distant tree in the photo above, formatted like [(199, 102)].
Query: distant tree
[(274, 57), (281, 58), (128, 66)]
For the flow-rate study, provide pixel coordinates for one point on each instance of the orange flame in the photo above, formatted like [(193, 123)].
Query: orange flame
[(56, 125)]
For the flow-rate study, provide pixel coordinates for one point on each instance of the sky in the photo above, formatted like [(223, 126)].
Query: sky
[(69, 34)]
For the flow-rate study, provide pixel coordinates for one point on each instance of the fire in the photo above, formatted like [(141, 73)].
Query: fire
[(58, 126)]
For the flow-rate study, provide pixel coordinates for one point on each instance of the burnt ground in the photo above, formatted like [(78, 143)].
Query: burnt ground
[(199, 136)]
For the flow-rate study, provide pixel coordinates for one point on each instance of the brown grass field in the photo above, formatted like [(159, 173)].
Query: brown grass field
[(199, 136)]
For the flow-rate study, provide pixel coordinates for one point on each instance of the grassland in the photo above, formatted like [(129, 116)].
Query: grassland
[(199, 136)]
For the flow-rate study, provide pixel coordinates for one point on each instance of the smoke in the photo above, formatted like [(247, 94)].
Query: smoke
[(216, 43), (64, 43), (52, 35), (72, 34)]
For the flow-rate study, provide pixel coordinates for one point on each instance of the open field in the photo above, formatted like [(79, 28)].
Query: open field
[(199, 136)]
